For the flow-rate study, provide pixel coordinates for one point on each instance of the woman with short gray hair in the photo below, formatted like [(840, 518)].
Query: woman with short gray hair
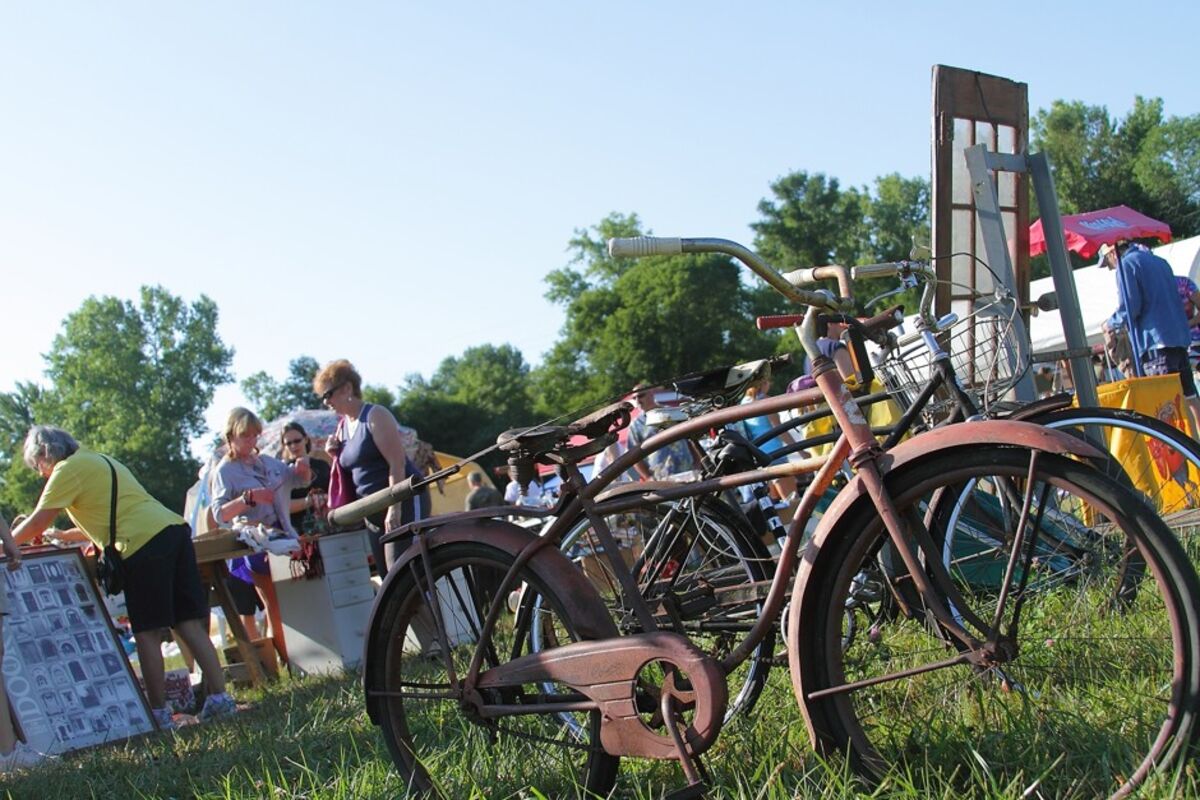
[(162, 582), (48, 443)]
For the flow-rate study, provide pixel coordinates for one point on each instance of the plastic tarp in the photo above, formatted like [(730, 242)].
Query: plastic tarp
[(1097, 289)]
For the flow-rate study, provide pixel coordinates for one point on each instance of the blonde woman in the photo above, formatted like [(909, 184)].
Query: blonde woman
[(249, 488)]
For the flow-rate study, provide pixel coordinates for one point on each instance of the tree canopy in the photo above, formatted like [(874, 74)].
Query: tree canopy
[(647, 319), (1145, 161), (131, 380), (274, 398)]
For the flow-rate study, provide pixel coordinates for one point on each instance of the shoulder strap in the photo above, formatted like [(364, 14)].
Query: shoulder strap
[(112, 511)]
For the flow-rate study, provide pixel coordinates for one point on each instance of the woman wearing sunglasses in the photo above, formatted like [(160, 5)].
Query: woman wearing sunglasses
[(368, 445), (296, 445)]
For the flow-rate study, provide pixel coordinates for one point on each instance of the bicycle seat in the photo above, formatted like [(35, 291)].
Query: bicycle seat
[(536, 440), (725, 385)]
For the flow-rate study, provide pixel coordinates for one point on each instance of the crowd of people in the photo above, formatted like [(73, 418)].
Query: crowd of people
[(163, 590)]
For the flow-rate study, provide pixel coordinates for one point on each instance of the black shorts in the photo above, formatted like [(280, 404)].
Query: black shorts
[(245, 597), (1165, 360), (162, 582)]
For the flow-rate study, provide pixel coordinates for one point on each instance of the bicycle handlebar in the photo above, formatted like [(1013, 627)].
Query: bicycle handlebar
[(886, 269), (360, 509), (641, 246)]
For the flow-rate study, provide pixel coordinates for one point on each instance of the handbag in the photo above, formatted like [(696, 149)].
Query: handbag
[(110, 569), (341, 485)]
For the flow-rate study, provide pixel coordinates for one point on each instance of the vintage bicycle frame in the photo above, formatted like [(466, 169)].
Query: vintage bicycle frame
[(594, 668)]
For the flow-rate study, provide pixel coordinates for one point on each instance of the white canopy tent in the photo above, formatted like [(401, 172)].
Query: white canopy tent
[(1097, 289)]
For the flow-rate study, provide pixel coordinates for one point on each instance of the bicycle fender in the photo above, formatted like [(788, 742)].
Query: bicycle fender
[(940, 443), (1029, 411), (582, 603)]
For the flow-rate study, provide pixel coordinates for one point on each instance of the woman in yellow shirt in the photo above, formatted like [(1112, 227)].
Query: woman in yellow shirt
[(162, 583)]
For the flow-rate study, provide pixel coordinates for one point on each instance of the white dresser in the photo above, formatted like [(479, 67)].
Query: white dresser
[(325, 618)]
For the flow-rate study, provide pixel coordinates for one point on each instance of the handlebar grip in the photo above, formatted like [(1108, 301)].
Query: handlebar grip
[(874, 270), (778, 321), (360, 509), (640, 246)]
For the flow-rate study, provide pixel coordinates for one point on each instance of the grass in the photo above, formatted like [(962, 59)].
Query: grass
[(312, 739)]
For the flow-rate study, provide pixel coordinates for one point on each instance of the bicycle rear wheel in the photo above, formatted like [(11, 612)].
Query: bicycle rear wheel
[(438, 745), (704, 573), (1090, 687)]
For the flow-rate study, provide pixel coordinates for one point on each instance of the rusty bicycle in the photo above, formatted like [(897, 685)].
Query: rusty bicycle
[(486, 643)]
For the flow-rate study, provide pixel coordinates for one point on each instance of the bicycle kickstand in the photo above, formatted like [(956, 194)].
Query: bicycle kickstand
[(693, 769)]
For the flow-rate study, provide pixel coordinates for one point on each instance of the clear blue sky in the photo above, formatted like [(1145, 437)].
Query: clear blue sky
[(391, 181)]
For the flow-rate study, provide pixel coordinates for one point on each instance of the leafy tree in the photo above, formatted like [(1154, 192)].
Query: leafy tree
[(134, 380), (380, 395), (19, 486), (274, 399), (470, 399), (810, 221), (898, 216), (1143, 161), (648, 319)]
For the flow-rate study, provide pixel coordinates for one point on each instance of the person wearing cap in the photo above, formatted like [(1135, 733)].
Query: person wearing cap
[(670, 460), (1149, 308)]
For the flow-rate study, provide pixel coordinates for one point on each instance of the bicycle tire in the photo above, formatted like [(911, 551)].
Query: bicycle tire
[(1058, 712), (718, 555), (415, 704)]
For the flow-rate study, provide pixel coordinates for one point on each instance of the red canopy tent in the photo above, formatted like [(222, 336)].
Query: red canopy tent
[(1086, 232)]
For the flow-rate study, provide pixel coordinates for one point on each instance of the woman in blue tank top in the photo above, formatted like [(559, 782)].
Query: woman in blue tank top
[(369, 446)]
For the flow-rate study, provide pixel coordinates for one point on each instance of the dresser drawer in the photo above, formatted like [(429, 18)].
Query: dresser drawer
[(349, 595), (344, 561), (343, 544), (349, 577)]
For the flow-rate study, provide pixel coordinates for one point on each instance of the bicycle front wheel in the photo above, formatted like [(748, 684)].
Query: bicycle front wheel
[(415, 677), (1089, 685)]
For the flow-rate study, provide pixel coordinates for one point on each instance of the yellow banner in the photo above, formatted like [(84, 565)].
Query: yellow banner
[(1159, 471)]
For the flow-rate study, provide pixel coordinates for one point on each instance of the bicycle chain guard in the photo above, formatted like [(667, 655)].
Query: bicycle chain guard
[(607, 671)]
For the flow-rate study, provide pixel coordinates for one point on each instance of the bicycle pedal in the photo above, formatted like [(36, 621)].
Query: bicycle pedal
[(692, 792)]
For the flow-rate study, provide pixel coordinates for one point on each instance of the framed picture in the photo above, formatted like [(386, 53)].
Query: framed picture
[(69, 683)]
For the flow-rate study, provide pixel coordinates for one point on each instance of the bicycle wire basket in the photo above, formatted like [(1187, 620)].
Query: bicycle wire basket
[(986, 347)]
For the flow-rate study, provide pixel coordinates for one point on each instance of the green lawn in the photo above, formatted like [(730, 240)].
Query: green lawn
[(312, 739)]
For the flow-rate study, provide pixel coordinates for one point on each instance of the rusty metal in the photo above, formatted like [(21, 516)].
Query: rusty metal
[(607, 673), (581, 604), (789, 556)]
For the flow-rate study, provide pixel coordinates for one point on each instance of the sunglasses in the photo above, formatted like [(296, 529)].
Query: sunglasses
[(329, 393), (292, 442)]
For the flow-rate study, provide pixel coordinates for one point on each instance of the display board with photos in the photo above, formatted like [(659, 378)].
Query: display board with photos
[(69, 683)]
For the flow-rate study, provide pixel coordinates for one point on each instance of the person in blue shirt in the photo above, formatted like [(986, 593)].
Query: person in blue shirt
[(1149, 308)]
